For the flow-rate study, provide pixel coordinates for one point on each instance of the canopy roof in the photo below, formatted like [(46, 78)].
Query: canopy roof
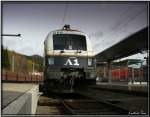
[(131, 45)]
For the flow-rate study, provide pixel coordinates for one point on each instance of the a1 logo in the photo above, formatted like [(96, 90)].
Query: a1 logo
[(72, 61)]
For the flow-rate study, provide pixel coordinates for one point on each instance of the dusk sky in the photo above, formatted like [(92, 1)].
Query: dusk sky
[(104, 23)]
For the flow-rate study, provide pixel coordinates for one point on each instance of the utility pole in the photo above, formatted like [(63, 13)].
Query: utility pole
[(13, 58), (10, 35), (13, 63), (16, 35), (33, 68)]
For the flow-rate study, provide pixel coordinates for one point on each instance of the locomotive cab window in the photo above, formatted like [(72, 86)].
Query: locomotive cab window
[(69, 42)]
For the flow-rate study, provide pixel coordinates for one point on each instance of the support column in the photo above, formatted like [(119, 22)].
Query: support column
[(132, 76), (109, 72), (104, 72), (141, 73)]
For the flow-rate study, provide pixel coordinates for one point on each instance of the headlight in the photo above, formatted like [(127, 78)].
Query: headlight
[(50, 61), (92, 75)]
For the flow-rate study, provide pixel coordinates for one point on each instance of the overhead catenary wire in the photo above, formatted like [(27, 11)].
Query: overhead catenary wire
[(121, 26), (65, 14)]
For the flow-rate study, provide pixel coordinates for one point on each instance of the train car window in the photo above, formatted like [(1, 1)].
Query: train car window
[(69, 42)]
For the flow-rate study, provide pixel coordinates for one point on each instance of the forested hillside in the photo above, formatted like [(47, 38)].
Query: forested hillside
[(16, 62)]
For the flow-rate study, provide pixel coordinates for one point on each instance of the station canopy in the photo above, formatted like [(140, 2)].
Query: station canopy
[(133, 44), (128, 61)]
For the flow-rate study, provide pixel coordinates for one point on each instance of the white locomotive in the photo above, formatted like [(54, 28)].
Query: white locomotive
[(69, 60)]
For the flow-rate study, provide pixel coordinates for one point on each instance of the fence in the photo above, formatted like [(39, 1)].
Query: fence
[(8, 76)]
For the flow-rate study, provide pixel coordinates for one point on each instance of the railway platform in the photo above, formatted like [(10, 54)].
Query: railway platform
[(136, 87), (19, 98)]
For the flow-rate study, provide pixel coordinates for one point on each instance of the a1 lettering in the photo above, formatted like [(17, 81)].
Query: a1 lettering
[(75, 62), (68, 62)]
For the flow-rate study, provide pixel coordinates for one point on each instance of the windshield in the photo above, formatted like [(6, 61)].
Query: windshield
[(69, 42)]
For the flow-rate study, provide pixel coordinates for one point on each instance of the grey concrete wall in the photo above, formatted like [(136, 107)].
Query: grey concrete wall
[(25, 104)]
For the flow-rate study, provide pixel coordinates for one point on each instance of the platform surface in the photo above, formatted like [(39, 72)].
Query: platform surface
[(122, 86), (12, 91)]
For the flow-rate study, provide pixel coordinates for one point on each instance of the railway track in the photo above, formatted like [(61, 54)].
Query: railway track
[(95, 101), (76, 104), (90, 107), (135, 104)]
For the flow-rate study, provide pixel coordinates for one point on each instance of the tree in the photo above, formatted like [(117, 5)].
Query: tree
[(29, 65), (5, 59)]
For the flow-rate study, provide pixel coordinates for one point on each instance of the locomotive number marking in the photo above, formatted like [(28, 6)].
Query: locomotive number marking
[(72, 61), (76, 62)]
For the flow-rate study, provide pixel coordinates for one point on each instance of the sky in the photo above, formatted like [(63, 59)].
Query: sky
[(105, 23)]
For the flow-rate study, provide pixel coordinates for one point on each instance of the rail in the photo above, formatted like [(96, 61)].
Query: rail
[(89, 106)]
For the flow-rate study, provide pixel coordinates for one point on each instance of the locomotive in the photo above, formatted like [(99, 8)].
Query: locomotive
[(68, 60)]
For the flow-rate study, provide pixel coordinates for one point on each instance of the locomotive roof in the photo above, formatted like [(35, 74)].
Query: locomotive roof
[(66, 28), (70, 31)]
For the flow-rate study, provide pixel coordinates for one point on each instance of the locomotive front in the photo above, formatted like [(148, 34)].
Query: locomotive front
[(68, 59)]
